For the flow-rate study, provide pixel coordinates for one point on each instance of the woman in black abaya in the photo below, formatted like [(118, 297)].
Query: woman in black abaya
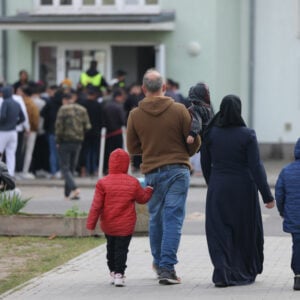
[(234, 174)]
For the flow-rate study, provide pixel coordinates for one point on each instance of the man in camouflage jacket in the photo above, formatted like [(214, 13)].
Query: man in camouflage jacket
[(71, 124)]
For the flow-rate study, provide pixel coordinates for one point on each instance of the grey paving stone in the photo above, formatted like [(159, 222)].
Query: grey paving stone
[(87, 277)]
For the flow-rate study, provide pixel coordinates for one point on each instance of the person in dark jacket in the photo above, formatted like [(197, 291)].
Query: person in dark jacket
[(114, 203), (91, 143), (200, 110), (287, 194), (49, 113), (234, 173), (11, 115), (134, 97), (23, 80), (114, 120)]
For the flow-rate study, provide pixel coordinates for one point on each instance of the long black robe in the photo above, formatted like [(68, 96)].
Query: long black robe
[(234, 173)]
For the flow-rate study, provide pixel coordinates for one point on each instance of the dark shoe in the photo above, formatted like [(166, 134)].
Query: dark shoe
[(297, 283), (168, 277), (221, 285), (156, 270)]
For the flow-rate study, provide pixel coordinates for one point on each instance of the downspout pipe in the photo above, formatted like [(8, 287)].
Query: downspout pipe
[(4, 43), (252, 20)]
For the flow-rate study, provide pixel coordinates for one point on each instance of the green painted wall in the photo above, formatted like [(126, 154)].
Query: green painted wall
[(220, 27)]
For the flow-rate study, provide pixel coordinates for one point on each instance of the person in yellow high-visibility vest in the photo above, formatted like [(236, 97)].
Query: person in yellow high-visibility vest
[(93, 77)]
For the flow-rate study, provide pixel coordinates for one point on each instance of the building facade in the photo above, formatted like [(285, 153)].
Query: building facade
[(244, 47)]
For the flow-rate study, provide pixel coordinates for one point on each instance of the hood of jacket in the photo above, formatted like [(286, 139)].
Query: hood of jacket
[(7, 92), (155, 105), (118, 162), (297, 150)]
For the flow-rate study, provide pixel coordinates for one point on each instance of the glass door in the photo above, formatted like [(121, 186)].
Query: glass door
[(58, 61)]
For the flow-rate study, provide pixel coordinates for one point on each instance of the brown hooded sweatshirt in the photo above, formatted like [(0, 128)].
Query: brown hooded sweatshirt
[(158, 129)]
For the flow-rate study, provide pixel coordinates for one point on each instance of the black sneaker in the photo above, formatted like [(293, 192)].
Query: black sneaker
[(156, 270), (168, 277), (297, 283)]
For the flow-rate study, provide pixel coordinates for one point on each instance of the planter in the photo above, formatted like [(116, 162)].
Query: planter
[(42, 225), (46, 225)]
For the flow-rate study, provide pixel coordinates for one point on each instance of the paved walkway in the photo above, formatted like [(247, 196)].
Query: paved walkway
[(86, 277)]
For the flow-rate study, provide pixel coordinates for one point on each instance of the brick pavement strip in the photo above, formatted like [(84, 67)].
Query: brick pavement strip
[(86, 277)]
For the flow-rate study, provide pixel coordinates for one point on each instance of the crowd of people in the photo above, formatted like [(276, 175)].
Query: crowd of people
[(107, 104)]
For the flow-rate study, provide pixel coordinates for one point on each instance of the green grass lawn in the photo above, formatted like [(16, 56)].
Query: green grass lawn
[(23, 258)]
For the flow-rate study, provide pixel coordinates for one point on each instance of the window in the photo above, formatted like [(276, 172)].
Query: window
[(46, 2), (119, 7), (132, 2), (151, 2), (47, 65), (108, 2), (88, 2), (66, 2)]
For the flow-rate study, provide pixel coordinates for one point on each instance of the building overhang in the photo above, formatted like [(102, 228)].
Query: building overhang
[(164, 21)]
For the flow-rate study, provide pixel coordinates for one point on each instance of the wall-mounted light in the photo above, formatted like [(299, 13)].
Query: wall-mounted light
[(194, 48)]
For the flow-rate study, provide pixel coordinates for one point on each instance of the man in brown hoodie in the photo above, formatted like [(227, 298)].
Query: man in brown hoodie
[(158, 129)]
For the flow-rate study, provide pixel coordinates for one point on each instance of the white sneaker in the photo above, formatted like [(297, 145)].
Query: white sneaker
[(27, 176), (112, 277), (42, 174), (119, 280), (58, 175)]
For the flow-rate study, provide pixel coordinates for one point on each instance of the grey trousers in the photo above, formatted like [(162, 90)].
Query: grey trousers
[(68, 157)]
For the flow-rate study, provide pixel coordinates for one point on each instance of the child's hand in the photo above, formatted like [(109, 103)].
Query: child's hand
[(149, 186), (190, 140), (270, 204)]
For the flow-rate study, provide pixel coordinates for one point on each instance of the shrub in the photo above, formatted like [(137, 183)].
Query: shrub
[(74, 212), (11, 203)]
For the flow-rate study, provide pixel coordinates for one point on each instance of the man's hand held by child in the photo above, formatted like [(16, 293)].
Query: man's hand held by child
[(270, 204), (190, 140)]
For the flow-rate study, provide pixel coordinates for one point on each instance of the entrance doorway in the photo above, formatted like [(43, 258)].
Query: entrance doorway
[(56, 61), (135, 60)]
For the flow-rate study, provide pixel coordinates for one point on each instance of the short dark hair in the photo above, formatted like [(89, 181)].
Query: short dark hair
[(118, 92), (27, 90), (67, 96)]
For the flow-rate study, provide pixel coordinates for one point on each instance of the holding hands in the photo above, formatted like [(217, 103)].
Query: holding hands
[(270, 204)]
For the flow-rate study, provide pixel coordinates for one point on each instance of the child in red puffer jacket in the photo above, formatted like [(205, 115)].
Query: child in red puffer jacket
[(114, 203)]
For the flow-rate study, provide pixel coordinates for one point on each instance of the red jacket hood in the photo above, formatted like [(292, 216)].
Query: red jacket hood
[(118, 162)]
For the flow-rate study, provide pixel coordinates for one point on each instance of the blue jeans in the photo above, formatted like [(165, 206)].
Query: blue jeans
[(53, 154), (92, 157), (296, 254), (166, 212)]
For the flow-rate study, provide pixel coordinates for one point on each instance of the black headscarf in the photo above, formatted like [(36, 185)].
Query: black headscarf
[(230, 112)]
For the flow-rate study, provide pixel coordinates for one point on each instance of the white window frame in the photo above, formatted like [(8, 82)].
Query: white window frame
[(77, 7)]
